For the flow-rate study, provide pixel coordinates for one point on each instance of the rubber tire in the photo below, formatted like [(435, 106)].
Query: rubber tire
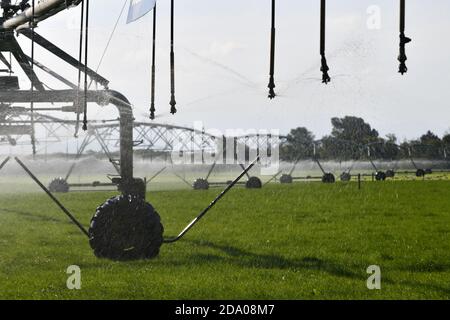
[(58, 185), (390, 174), (126, 228), (420, 173), (286, 179), (346, 177), (200, 184), (328, 178), (253, 183), (380, 176)]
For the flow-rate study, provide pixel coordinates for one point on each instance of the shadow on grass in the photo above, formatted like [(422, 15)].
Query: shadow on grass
[(248, 259), (33, 216), (427, 267)]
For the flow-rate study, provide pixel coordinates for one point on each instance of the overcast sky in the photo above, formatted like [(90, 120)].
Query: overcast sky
[(222, 63)]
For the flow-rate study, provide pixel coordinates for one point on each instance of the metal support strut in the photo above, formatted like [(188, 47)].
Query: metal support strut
[(212, 204), (4, 163), (320, 165), (210, 170)]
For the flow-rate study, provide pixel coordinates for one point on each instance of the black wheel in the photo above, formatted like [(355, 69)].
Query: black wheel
[(253, 183), (126, 228), (390, 174), (201, 184), (286, 179), (380, 176), (346, 177), (428, 171), (58, 185), (328, 178), (420, 173)]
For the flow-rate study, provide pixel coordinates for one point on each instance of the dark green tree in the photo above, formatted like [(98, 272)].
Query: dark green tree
[(349, 138), (299, 145), (430, 146), (353, 129)]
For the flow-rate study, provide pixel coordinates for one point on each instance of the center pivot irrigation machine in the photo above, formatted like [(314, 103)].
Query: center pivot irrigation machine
[(124, 227)]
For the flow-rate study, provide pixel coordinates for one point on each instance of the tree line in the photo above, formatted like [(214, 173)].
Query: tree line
[(352, 138)]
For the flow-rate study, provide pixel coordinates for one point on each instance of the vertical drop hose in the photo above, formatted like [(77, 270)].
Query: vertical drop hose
[(86, 44), (173, 102), (324, 66), (152, 104), (403, 40), (33, 137), (80, 58), (271, 85)]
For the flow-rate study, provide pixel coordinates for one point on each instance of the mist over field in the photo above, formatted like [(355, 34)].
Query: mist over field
[(89, 169)]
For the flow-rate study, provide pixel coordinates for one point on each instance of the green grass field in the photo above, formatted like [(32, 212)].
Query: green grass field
[(301, 241)]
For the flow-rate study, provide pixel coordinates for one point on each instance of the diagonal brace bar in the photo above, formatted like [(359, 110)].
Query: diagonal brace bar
[(64, 56), (56, 201), (212, 204), (4, 163)]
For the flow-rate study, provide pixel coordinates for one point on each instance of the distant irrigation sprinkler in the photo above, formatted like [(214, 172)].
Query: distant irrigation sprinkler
[(346, 176), (420, 172), (379, 175), (203, 183), (327, 177), (288, 178), (252, 182), (62, 185)]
